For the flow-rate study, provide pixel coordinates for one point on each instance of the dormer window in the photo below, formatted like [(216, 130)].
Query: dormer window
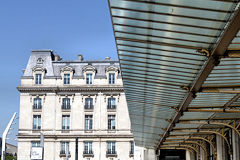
[(89, 78), (89, 73), (67, 73), (66, 78), (111, 72), (38, 78), (38, 74), (111, 78)]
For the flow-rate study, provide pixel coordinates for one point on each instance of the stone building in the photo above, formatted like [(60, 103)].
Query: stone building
[(79, 106)]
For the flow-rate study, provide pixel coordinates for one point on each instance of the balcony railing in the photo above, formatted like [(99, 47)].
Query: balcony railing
[(88, 107), (110, 153), (63, 153), (35, 127), (66, 107), (37, 107), (111, 107), (88, 153)]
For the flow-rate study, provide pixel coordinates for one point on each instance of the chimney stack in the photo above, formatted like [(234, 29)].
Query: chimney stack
[(57, 57), (80, 57), (107, 58)]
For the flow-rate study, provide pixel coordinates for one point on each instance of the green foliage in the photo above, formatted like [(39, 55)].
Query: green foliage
[(10, 158)]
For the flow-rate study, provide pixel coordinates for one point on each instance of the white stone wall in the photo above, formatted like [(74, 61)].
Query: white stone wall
[(51, 121)]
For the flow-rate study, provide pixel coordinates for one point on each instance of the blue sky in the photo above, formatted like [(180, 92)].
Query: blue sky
[(69, 27)]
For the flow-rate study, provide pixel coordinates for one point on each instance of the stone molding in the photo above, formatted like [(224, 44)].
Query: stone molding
[(70, 89)]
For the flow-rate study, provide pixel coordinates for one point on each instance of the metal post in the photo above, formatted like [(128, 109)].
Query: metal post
[(42, 144), (4, 136), (76, 149)]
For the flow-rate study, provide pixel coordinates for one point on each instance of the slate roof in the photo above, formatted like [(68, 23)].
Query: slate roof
[(53, 68)]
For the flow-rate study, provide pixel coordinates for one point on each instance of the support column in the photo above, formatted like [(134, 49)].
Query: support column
[(189, 155), (220, 148), (202, 154), (235, 145)]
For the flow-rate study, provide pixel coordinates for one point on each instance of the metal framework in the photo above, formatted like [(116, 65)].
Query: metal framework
[(190, 142), (180, 64)]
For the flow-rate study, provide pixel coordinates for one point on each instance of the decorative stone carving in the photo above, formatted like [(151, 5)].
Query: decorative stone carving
[(111, 68), (38, 69), (40, 61), (67, 69), (89, 68)]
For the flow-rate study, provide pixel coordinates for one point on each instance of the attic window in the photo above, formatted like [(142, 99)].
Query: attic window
[(40, 61)]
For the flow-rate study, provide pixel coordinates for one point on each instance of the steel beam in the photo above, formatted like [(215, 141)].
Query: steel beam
[(216, 53), (214, 123), (207, 132), (213, 110)]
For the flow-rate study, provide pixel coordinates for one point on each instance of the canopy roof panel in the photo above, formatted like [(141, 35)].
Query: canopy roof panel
[(180, 65)]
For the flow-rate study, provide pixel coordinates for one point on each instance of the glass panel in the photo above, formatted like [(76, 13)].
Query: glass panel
[(89, 78)]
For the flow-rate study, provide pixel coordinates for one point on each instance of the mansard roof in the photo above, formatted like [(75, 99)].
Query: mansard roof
[(53, 68)]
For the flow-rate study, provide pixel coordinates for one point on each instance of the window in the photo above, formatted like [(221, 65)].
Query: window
[(36, 122), (111, 78), (65, 122), (38, 79), (66, 78), (131, 147), (111, 103), (89, 78), (111, 122), (37, 103), (88, 103), (40, 61), (36, 144), (111, 148), (87, 148), (88, 122), (66, 103), (64, 148)]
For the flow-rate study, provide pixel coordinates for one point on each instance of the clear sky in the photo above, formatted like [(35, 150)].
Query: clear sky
[(69, 27)]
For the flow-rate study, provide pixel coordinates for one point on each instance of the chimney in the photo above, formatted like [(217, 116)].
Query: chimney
[(107, 58), (80, 57), (57, 57)]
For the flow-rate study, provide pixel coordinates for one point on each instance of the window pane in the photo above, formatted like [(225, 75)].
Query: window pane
[(38, 79), (88, 122), (36, 144), (88, 78), (37, 103), (66, 103), (36, 122), (65, 122), (111, 78), (66, 78)]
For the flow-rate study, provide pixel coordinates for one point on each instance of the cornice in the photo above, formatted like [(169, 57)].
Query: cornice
[(56, 136), (23, 89)]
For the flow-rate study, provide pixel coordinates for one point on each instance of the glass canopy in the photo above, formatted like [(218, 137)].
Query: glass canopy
[(180, 65)]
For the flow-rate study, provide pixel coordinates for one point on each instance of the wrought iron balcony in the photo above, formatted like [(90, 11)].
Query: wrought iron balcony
[(111, 107), (66, 107), (88, 107), (110, 153), (88, 153), (37, 107), (63, 153)]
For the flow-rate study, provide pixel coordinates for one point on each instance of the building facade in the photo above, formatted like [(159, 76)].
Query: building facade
[(79, 106)]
